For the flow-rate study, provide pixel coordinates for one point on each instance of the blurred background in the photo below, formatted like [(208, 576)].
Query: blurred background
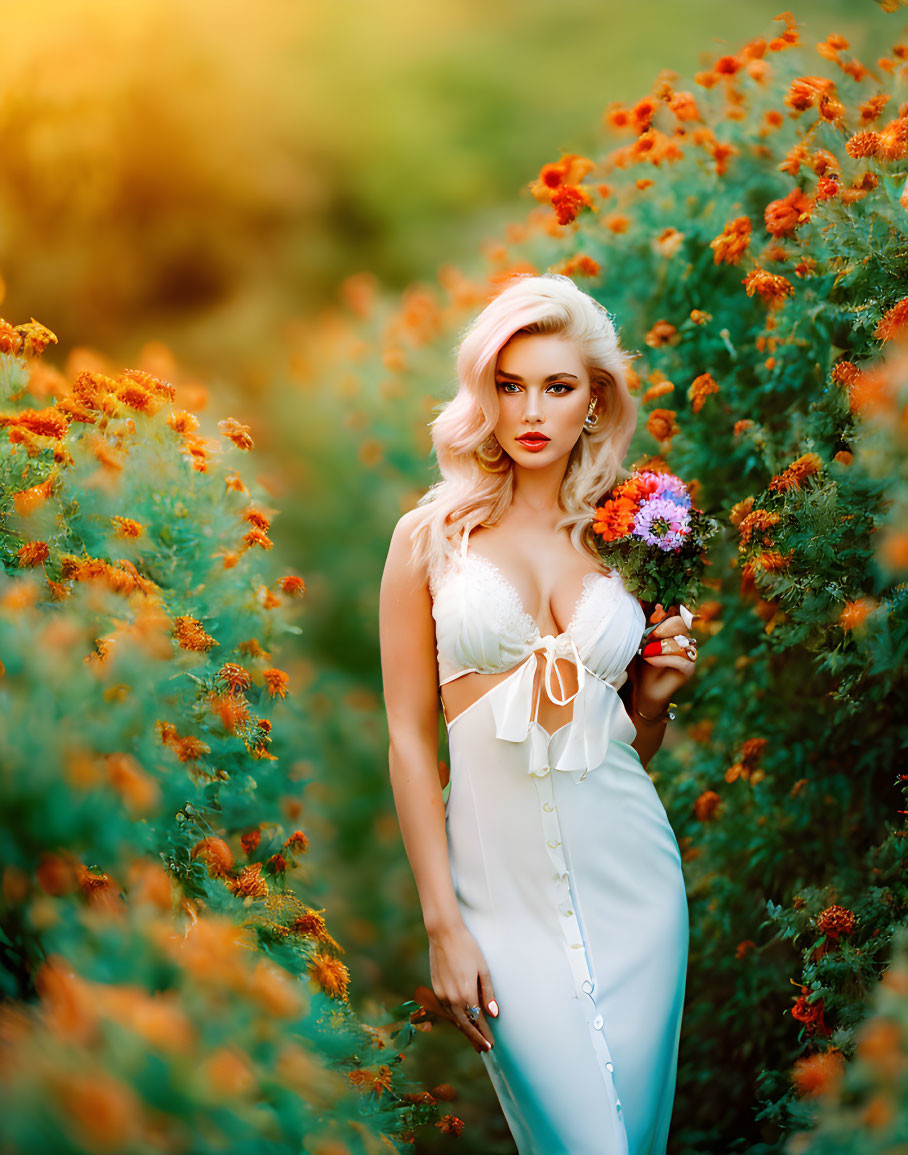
[(201, 172)]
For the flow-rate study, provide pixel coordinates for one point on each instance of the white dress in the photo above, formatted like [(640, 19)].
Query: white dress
[(566, 870)]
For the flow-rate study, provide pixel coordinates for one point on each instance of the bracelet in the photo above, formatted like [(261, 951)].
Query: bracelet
[(667, 714)]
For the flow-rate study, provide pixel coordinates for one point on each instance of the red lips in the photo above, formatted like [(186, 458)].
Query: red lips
[(533, 439)]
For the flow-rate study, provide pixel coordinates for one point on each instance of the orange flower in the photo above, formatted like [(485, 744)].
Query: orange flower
[(256, 518), (894, 322), (731, 244), (237, 433), (700, 389), (662, 333), (743, 949), (699, 317), (190, 634), (297, 843), (312, 925), (872, 107), (827, 188), (771, 287), (39, 422), (10, 337), (152, 384), (617, 222), (276, 682), (796, 473), (250, 841), (830, 48), (28, 500), (450, 1125), (684, 106), (249, 882), (33, 553), (257, 537), (864, 144), (810, 1014), (232, 710), (216, 853), (758, 521), (618, 117), (571, 169), (854, 614), (661, 424), (330, 974), (139, 792), (236, 677), (579, 266), (806, 92), (137, 397), (35, 337), (182, 422), (660, 388), (189, 748), (252, 649), (880, 1045), (104, 1112), (707, 805), (835, 921), (615, 518), (783, 216), (377, 1081), (772, 561), (818, 1074), (568, 200), (126, 527), (668, 242)]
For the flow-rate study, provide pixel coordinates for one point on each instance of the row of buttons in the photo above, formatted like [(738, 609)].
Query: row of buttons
[(579, 962)]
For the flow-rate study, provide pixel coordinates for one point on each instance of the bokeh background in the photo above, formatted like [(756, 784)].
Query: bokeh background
[(250, 201), (202, 173)]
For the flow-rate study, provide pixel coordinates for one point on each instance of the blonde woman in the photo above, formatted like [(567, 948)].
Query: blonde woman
[(550, 879)]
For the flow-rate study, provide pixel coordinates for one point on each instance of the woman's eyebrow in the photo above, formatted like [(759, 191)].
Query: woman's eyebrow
[(551, 376)]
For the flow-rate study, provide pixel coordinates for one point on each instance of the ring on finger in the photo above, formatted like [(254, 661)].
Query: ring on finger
[(471, 1013)]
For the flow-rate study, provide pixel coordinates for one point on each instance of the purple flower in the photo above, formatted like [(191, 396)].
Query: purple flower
[(663, 522)]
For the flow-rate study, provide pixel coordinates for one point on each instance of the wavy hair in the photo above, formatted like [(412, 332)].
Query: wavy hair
[(468, 494)]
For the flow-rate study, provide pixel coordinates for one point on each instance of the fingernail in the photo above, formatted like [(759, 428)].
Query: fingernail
[(493, 1007), (488, 1046)]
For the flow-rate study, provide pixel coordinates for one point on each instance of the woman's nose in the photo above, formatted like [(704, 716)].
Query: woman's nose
[(532, 407)]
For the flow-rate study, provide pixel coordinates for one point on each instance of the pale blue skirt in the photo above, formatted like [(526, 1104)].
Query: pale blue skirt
[(575, 894)]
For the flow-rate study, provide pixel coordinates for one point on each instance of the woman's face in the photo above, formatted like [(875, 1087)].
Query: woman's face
[(543, 394)]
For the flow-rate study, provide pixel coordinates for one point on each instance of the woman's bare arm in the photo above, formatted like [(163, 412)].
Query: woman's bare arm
[(409, 675), (460, 974)]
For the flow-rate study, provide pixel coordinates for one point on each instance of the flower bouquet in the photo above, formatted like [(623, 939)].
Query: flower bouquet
[(649, 530)]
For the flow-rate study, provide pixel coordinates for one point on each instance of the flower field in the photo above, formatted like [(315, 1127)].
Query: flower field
[(169, 979), (195, 784)]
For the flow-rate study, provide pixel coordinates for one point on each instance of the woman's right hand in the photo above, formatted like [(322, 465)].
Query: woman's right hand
[(460, 979)]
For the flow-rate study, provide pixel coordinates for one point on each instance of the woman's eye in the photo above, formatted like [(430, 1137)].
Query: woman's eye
[(561, 385), (505, 385)]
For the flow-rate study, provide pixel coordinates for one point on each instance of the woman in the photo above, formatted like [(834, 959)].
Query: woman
[(550, 880)]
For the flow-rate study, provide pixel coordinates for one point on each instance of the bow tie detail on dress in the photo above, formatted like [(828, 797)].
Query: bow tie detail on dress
[(597, 710)]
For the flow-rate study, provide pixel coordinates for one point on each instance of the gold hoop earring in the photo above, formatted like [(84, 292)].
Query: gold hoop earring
[(588, 425), (498, 464)]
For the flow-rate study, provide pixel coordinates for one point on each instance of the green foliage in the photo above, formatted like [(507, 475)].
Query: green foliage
[(169, 982)]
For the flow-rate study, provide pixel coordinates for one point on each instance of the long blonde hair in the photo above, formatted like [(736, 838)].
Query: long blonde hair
[(468, 494)]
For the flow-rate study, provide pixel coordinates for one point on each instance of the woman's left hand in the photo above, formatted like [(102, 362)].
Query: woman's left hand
[(660, 676)]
